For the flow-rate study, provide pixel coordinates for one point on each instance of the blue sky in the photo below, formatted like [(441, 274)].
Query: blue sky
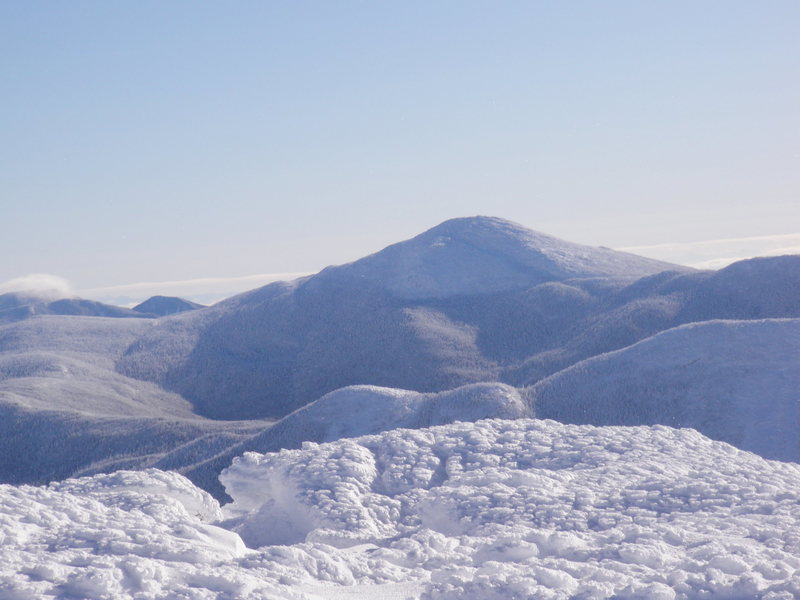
[(149, 141)]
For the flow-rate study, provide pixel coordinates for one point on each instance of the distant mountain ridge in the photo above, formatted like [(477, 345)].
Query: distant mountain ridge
[(459, 314), (290, 345), (735, 381), (268, 352), (162, 306), (16, 306)]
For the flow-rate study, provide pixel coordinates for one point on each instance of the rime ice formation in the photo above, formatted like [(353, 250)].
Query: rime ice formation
[(494, 509)]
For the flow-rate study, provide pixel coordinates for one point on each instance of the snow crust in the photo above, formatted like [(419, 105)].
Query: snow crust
[(495, 509)]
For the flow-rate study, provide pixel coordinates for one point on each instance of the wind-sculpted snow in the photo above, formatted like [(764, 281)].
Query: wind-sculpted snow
[(493, 509), (113, 536), (536, 509)]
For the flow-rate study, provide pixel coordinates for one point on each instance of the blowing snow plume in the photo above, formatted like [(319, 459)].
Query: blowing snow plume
[(39, 284)]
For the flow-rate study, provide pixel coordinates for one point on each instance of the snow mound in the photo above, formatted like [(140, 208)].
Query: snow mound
[(480, 255), (735, 381), (372, 409), (494, 509)]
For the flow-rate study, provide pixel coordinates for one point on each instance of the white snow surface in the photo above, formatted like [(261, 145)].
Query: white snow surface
[(495, 509)]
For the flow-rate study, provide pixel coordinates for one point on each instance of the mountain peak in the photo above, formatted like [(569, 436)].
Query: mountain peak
[(166, 305), (484, 228), (477, 223), (481, 254)]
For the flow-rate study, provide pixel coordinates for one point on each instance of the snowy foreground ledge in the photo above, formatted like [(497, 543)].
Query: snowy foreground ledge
[(493, 509)]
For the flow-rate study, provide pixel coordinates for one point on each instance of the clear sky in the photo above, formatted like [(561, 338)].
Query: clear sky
[(168, 141)]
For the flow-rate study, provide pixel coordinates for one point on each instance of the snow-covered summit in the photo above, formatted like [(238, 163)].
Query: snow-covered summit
[(477, 255)]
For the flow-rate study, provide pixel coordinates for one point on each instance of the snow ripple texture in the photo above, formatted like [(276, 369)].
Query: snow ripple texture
[(488, 510)]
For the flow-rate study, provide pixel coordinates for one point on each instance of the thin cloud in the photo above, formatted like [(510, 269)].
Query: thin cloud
[(204, 290), (722, 241), (715, 254), (718, 263)]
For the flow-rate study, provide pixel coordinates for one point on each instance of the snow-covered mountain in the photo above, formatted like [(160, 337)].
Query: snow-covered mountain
[(470, 511), (751, 289), (409, 317), (472, 301), (73, 359), (273, 350), (65, 410), (369, 489), (735, 381), (161, 306), (16, 306)]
